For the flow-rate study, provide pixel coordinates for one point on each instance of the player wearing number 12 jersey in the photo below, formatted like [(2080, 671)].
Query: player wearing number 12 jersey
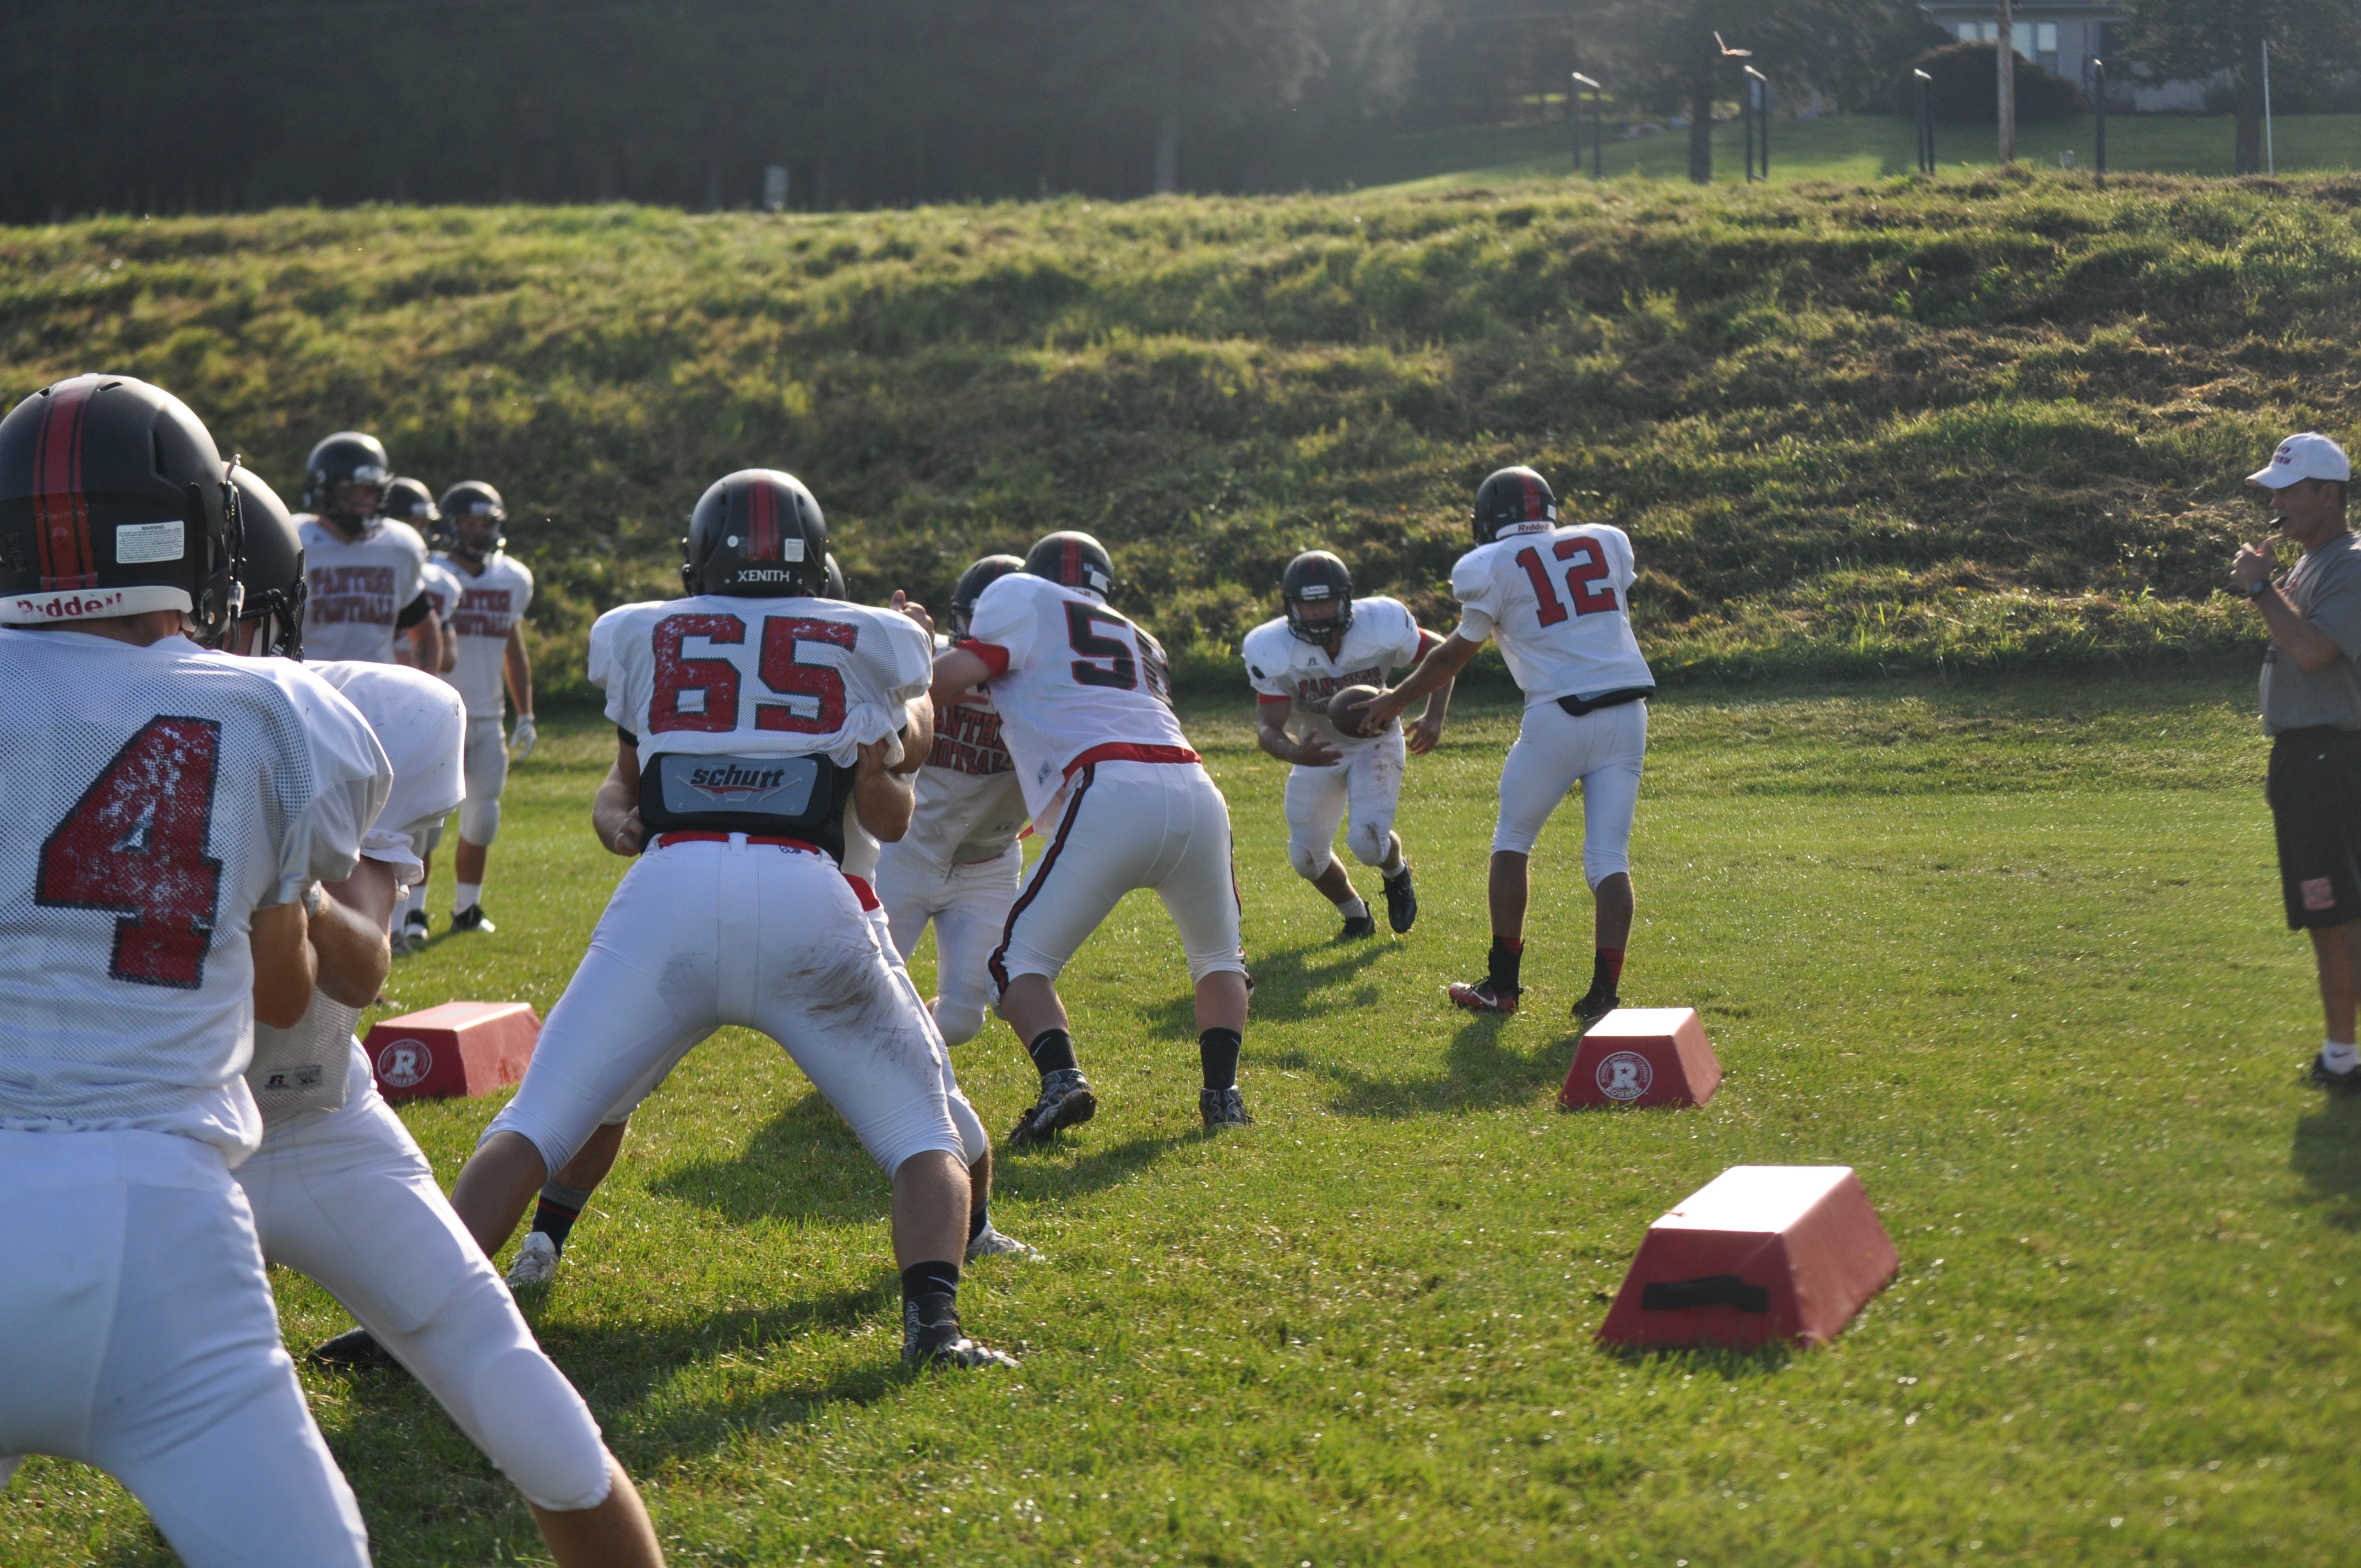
[(1557, 597), (1086, 710)]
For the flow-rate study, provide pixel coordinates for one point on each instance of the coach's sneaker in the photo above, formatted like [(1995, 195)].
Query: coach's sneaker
[(1596, 1004), (931, 1337), (471, 919), (1358, 926), (1066, 1102), (1401, 901), (1222, 1108), (1483, 997), (990, 1242), (535, 1263), (2341, 1084), (356, 1350)]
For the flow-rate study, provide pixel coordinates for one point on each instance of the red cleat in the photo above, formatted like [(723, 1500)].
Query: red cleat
[(1481, 998)]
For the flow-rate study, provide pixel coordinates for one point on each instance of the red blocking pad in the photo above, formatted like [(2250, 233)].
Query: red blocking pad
[(1760, 1253), (461, 1047), (1643, 1055)]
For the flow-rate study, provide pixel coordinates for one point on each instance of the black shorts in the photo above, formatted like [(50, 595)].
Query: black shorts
[(2315, 785)]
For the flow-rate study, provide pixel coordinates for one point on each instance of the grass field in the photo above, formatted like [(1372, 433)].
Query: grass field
[(2011, 949), (1853, 148)]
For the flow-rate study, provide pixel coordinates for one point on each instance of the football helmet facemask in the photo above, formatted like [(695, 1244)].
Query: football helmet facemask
[(346, 462), (471, 519), (1317, 577)]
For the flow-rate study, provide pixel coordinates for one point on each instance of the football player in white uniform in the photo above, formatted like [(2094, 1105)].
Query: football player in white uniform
[(367, 572), (1559, 599), (408, 500), (486, 623), (168, 815), (1086, 710), (339, 1190), (1326, 642), (958, 865), (749, 713)]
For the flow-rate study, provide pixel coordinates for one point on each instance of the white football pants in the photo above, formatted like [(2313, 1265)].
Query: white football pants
[(1368, 779), (968, 905), (1601, 751), (346, 1198), (138, 1334), (705, 933), (1129, 824), (486, 763)]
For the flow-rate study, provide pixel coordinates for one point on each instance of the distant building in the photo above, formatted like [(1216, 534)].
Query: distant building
[(2064, 35)]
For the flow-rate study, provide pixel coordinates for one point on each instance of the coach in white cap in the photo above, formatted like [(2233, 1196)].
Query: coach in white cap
[(2312, 709)]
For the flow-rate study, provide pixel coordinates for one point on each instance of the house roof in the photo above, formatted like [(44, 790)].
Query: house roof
[(2027, 10)]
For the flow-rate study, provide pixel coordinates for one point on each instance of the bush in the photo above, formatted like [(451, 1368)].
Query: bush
[(1966, 89)]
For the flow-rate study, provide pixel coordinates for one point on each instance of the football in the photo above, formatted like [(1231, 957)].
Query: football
[(1341, 707)]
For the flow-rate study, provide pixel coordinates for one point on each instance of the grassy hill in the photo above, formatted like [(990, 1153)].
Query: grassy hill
[(1978, 421)]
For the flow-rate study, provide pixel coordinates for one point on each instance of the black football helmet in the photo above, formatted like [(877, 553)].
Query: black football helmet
[(114, 500), (270, 570), (1073, 561), (1317, 577), (1511, 499), (347, 457), (476, 499), (408, 500), (836, 589), (972, 584), (758, 534)]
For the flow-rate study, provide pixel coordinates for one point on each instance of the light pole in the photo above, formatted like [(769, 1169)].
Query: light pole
[(2098, 89), (1758, 140), (2005, 63), (1597, 135), (2270, 158), (1927, 123)]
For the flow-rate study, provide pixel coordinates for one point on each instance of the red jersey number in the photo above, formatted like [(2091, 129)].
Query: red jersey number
[(823, 684), (135, 844), (1582, 579), (715, 680)]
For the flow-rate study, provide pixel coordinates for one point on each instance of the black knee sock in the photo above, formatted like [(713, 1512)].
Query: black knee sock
[(978, 1221), (1052, 1050), (930, 1279), (1217, 1050), (1504, 963), (555, 1219)]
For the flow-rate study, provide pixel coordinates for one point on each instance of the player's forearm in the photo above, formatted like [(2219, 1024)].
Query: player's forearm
[(348, 934), (285, 968), (1438, 706), (2308, 646), (917, 736), (884, 800), (615, 812), (517, 666), (1277, 742), (957, 671), (1438, 669)]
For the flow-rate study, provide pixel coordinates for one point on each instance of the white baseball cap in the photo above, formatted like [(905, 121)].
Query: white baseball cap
[(2310, 456)]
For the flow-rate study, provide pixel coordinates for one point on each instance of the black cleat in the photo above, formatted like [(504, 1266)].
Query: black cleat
[(1594, 1004), (1358, 926), (356, 1350), (1480, 997), (471, 919), (1401, 901), (931, 1337), (410, 935), (1222, 1108), (2341, 1084), (1066, 1102)]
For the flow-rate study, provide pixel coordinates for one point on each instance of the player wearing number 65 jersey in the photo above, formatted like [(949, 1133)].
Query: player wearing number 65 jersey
[(750, 715), (1557, 597), (1086, 710), (167, 815)]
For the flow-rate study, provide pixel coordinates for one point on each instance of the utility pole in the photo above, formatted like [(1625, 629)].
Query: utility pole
[(1921, 83), (1758, 139), (1597, 137), (2098, 96), (2270, 158), (2007, 66)]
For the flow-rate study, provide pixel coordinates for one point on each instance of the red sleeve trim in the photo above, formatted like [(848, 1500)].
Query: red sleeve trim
[(994, 657)]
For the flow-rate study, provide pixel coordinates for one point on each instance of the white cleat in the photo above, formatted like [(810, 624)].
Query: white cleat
[(536, 1262), (990, 1242)]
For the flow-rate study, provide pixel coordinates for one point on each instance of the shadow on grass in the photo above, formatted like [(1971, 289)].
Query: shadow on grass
[(2327, 1154), (1290, 985), (1479, 1074), (1711, 1361), (804, 1163), (1033, 1176)]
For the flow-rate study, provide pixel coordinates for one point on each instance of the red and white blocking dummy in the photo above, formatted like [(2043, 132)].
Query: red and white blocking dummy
[(1643, 1055), (1760, 1253), (459, 1048)]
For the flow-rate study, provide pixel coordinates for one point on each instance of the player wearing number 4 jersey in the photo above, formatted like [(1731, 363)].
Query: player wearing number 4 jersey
[(1557, 597), (1085, 708), (167, 813), (752, 715)]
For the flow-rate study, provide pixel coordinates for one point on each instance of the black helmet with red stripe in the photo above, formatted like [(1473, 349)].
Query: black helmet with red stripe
[(1074, 561), (270, 567), (972, 584), (1512, 497), (114, 500), (757, 535)]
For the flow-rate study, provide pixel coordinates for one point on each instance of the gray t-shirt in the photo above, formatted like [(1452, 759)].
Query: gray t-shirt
[(2325, 588)]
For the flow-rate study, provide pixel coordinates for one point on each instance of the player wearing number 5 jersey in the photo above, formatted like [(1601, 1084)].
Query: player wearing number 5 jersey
[(1557, 599), (752, 714), (167, 814), (1086, 710)]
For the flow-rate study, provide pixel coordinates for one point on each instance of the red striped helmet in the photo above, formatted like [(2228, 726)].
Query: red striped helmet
[(1074, 561), (1512, 497), (756, 534), (114, 500)]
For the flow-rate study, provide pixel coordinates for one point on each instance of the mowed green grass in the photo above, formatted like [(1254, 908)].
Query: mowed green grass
[(2012, 950)]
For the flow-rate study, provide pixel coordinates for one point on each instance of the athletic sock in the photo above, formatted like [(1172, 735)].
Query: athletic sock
[(1504, 962), (466, 896), (930, 1279), (2340, 1056), (555, 1219), (413, 905), (1217, 1050), (1052, 1050), (1607, 969), (1353, 908), (978, 1222), (1395, 865)]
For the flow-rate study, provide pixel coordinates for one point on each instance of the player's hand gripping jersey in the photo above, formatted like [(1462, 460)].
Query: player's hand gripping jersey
[(355, 591), (487, 609), (155, 797), (1074, 681), (1557, 599), (1383, 638), (747, 715)]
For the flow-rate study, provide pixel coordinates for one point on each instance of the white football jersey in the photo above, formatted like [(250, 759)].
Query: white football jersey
[(1068, 675), (421, 724), (354, 591), (970, 805), (1383, 638), (155, 798), (715, 676), (481, 615), (1556, 598)]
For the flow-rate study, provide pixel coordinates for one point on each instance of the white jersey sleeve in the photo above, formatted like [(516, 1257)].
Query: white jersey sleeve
[(422, 726), (353, 776), (1558, 600), (1394, 628), (1268, 650)]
